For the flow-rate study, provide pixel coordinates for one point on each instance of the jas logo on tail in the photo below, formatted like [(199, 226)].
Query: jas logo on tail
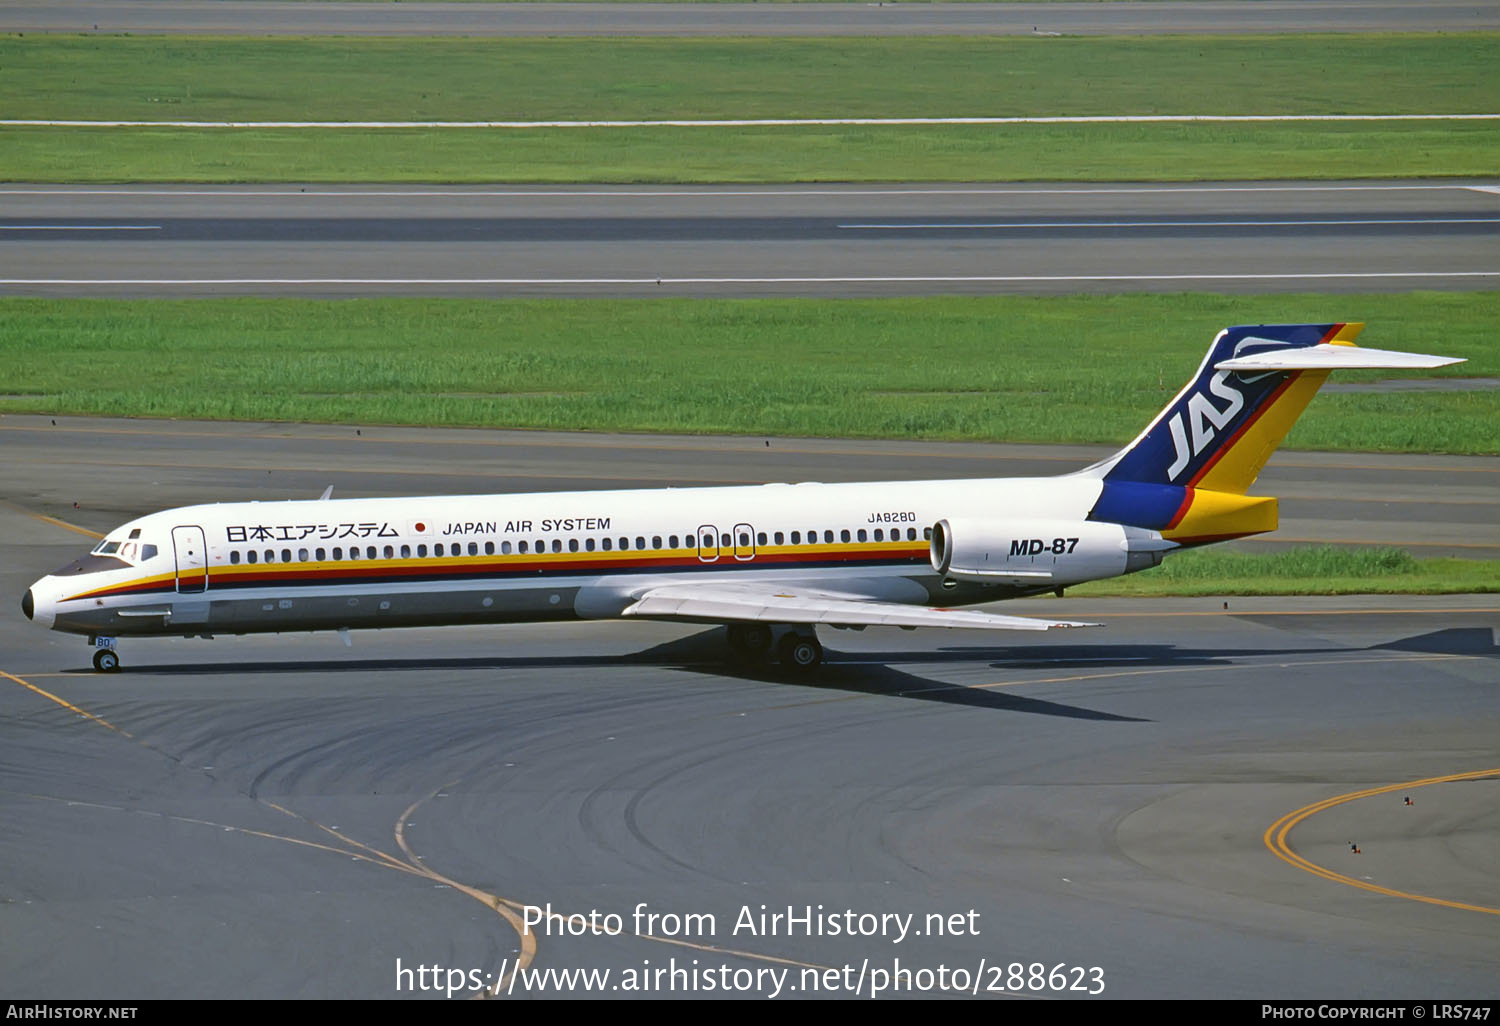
[(1204, 422)]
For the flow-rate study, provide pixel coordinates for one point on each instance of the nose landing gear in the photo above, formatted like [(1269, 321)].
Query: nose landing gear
[(106, 659)]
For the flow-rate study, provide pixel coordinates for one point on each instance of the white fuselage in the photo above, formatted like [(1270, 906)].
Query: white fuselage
[(350, 563)]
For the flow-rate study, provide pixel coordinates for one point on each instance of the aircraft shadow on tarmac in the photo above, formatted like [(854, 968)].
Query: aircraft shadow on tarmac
[(873, 673), (1479, 641)]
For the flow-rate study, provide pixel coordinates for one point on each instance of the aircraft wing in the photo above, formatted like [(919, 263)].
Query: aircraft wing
[(727, 603)]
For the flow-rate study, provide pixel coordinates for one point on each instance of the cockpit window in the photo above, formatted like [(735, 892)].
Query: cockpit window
[(130, 550)]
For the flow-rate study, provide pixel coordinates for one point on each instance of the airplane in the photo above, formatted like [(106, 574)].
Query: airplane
[(769, 562)]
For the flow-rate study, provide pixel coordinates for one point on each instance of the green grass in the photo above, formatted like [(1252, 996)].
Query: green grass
[(542, 79), (749, 155), (1321, 570), (157, 78), (1061, 369)]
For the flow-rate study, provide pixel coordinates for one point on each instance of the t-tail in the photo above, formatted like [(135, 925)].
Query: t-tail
[(1186, 475)]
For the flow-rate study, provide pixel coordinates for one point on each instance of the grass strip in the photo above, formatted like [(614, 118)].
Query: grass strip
[(1086, 369), (956, 153), (176, 78), (424, 79), (1315, 570)]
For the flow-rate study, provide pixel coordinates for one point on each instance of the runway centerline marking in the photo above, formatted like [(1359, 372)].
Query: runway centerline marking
[(80, 227), (1275, 839), (1179, 223)]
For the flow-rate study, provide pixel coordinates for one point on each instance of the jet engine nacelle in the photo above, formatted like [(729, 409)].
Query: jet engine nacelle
[(1042, 552)]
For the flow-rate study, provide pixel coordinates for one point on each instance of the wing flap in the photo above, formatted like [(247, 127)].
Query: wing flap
[(726, 604)]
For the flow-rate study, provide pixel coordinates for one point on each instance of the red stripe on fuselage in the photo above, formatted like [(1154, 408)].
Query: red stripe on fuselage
[(1187, 501), (351, 573)]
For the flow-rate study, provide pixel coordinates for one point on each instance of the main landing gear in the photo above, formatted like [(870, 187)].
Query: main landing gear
[(797, 649), (106, 659)]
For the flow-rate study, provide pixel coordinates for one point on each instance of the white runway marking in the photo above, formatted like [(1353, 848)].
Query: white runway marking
[(708, 192), (829, 280), (758, 122), (80, 227), (1189, 224)]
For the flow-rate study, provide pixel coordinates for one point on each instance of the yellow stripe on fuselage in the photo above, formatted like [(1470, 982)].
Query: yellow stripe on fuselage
[(230, 573)]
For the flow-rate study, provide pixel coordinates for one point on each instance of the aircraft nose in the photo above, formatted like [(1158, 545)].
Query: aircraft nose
[(28, 606)]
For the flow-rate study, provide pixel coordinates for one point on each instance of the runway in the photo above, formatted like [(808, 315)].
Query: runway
[(284, 817), (739, 19), (747, 241)]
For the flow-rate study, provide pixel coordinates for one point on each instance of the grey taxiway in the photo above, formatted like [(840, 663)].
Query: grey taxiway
[(284, 816), (747, 241)]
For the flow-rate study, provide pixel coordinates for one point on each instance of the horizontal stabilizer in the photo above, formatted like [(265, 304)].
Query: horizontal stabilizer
[(725, 603), (1333, 357)]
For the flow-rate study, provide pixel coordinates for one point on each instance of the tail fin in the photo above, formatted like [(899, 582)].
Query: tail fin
[(1186, 475)]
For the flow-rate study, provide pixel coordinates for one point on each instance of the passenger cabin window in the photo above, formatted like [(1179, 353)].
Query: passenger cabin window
[(250, 556), (640, 542), (390, 553), (321, 555), (828, 536), (489, 548), (796, 537), (557, 544), (302, 555), (405, 552), (370, 552), (473, 548), (421, 551), (588, 544), (606, 544), (234, 556), (523, 547), (572, 544), (880, 535), (780, 537), (861, 536), (505, 548)]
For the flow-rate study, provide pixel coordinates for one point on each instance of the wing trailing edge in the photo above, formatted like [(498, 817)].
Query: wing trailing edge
[(738, 603)]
